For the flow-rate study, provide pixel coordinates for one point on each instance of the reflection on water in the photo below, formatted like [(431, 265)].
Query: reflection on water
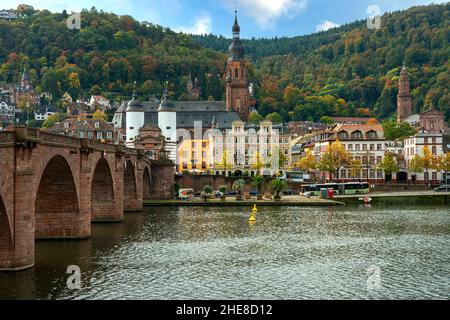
[(214, 253)]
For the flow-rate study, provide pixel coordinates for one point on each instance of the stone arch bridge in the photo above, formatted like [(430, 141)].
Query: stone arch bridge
[(54, 187)]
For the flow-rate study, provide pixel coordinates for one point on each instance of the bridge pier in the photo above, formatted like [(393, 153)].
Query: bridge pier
[(18, 253)]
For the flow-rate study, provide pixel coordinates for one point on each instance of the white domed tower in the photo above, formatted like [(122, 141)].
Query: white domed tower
[(135, 120), (167, 122)]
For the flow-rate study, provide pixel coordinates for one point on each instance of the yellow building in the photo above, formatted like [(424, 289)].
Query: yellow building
[(193, 155)]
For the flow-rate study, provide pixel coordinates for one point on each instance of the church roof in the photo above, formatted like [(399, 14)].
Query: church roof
[(188, 112), (432, 111)]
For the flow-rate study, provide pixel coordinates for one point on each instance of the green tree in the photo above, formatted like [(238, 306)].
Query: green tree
[(255, 118), (238, 186), (388, 165), (258, 182), (275, 118), (278, 186), (394, 130)]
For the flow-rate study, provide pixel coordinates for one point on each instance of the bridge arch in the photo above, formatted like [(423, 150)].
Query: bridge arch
[(146, 187), (102, 192), (57, 210), (130, 196)]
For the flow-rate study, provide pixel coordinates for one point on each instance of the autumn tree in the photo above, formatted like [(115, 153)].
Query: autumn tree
[(307, 163), (415, 164), (334, 157), (428, 161), (388, 165), (355, 167)]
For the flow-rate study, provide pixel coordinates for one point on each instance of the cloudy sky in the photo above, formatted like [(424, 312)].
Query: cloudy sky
[(258, 18)]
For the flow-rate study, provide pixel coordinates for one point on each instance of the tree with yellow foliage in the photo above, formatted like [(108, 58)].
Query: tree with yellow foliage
[(355, 167), (428, 161), (98, 114), (308, 163), (334, 157)]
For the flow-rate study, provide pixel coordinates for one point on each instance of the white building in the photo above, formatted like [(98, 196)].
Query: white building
[(365, 143), (167, 122), (415, 145), (42, 114), (135, 119), (7, 112), (99, 102), (250, 149)]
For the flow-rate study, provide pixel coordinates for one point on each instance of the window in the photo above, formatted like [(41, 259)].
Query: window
[(203, 144), (109, 135), (350, 147), (343, 135), (378, 147), (90, 135), (357, 134), (97, 125), (434, 176), (433, 150), (357, 147), (343, 173), (379, 174), (193, 145), (99, 135), (203, 165), (364, 147), (379, 159), (372, 147), (371, 135), (66, 125), (185, 165), (204, 154)]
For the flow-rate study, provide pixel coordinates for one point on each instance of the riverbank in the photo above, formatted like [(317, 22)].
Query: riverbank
[(407, 197), (386, 198), (291, 201)]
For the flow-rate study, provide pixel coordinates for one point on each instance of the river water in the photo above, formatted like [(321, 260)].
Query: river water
[(351, 252)]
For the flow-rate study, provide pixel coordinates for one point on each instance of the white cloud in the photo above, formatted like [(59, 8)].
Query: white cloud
[(266, 12), (326, 25), (202, 25)]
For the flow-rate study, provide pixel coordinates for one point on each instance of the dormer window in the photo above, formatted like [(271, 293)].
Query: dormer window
[(343, 135), (66, 125), (97, 125), (357, 134), (371, 135)]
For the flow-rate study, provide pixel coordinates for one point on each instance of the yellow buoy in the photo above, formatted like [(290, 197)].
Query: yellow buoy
[(253, 214)]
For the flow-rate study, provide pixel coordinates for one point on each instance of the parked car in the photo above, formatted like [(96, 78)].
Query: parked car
[(232, 193), (254, 193), (443, 188), (217, 194), (289, 192)]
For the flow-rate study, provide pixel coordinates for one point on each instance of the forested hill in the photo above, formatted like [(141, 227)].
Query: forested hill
[(351, 69), (106, 56)]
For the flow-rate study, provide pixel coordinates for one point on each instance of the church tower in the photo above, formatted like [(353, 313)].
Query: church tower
[(404, 102), (237, 94)]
